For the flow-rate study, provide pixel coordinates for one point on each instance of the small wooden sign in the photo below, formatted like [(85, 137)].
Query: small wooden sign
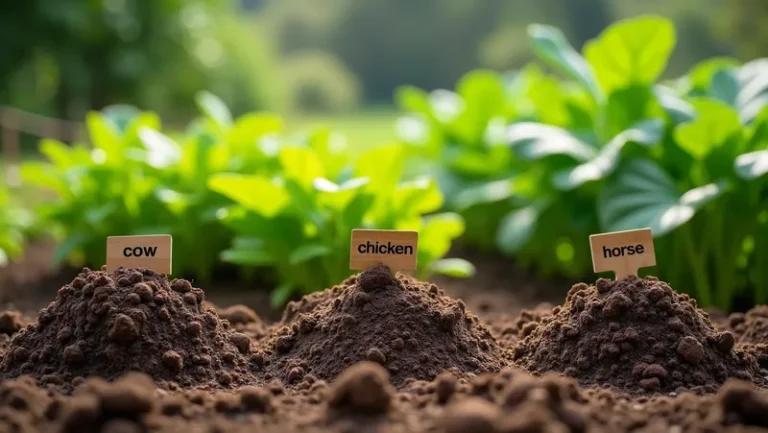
[(394, 248), (150, 251), (622, 252)]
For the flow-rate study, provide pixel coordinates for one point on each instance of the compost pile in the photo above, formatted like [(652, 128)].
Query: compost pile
[(131, 352), (409, 327), (635, 335), (107, 324)]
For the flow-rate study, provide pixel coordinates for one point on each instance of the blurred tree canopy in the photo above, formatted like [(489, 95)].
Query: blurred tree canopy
[(64, 57), (431, 43)]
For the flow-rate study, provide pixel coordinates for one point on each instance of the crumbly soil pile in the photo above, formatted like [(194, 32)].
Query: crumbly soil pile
[(752, 326), (635, 335), (409, 327), (106, 325)]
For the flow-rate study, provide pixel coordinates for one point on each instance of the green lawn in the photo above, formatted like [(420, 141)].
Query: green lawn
[(363, 129)]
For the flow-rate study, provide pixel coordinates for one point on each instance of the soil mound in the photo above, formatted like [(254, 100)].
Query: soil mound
[(636, 335), (105, 325), (409, 327), (752, 326)]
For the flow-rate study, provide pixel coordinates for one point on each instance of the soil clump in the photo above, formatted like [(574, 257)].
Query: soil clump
[(637, 336), (107, 324), (409, 327)]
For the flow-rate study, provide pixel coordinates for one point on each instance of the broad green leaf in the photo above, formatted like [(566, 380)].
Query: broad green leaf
[(104, 135), (625, 108), (532, 141), (254, 126), (647, 133), (257, 193), (301, 164), (412, 99), (678, 109), (214, 108), (517, 228), (725, 87), (448, 224), (436, 234), (632, 51), (753, 92), (57, 152), (752, 165), (383, 165), (446, 106), (702, 73), (338, 196), (643, 195), (308, 252), (162, 152), (353, 213), (550, 45), (458, 268), (488, 192), (420, 196), (45, 176), (715, 124)]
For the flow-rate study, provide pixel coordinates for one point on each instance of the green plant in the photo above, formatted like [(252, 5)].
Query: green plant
[(299, 221), (695, 177), (458, 137), (610, 148), (136, 180), (15, 224)]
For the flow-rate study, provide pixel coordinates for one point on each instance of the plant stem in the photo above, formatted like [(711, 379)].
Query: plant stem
[(698, 267)]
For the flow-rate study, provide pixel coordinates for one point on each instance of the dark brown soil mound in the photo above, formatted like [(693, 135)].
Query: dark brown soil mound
[(105, 325), (407, 326), (752, 326), (636, 335)]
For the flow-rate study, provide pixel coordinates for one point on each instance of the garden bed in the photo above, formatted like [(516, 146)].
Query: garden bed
[(379, 352)]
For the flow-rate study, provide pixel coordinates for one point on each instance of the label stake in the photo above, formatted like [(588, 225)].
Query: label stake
[(150, 251), (395, 248), (622, 252)]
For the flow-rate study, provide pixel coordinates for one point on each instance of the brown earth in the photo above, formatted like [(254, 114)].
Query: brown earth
[(425, 386)]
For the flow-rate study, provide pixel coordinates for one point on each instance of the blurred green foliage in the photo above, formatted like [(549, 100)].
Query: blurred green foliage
[(16, 225), (604, 146), (238, 189)]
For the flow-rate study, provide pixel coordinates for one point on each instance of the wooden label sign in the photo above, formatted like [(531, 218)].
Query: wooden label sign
[(394, 248), (151, 251), (622, 252)]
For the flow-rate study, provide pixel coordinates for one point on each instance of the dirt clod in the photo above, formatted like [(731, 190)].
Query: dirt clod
[(362, 388)]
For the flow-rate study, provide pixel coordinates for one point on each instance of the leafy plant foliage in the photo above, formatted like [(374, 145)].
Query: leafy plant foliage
[(238, 190), (603, 146)]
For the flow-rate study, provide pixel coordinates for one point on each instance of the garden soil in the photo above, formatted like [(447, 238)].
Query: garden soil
[(107, 324), (637, 336), (121, 383), (409, 327)]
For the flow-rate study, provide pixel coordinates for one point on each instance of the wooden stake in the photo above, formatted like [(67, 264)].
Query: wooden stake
[(622, 252)]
